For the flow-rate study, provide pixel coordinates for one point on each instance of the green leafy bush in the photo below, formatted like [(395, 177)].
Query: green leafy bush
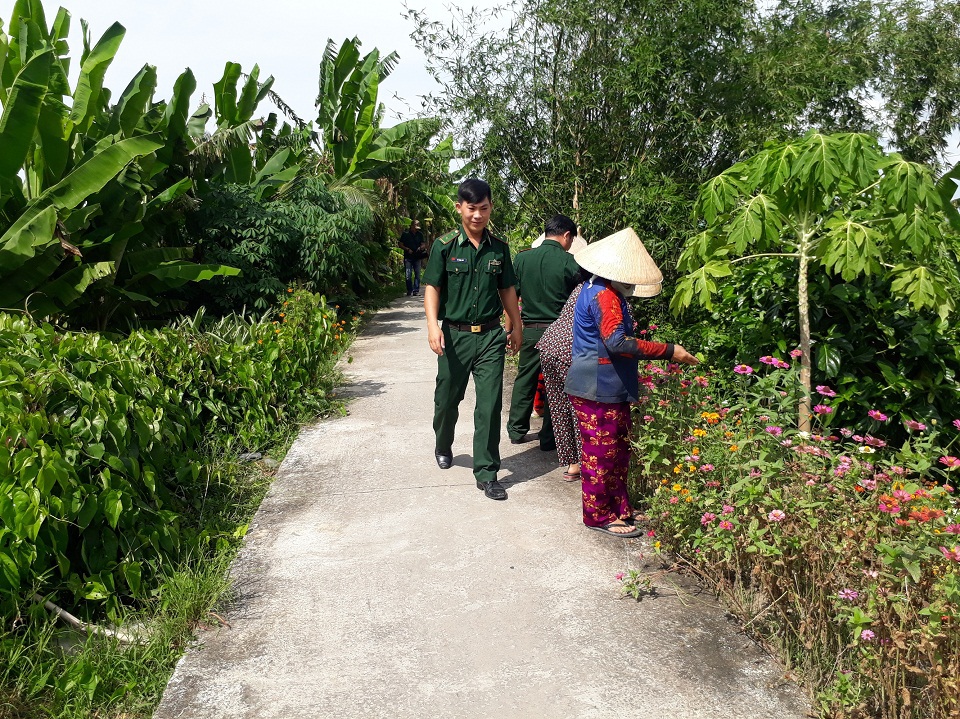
[(835, 547), (872, 347), (307, 235), (102, 469)]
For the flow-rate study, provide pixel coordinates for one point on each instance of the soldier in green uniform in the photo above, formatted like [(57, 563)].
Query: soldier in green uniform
[(546, 275), (468, 284)]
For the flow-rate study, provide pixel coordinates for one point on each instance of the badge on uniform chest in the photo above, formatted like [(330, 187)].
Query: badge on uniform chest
[(458, 259), (493, 264)]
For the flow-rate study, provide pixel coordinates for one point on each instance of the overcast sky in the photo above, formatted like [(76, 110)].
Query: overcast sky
[(285, 37)]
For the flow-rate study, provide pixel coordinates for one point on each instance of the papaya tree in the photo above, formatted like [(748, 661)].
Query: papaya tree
[(832, 203)]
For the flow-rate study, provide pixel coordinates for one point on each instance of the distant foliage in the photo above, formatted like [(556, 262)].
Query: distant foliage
[(306, 236)]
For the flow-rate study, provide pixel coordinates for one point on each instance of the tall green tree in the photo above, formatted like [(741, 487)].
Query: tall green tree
[(829, 203)]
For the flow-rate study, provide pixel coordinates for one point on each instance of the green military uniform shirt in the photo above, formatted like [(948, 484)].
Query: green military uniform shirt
[(469, 279), (546, 275)]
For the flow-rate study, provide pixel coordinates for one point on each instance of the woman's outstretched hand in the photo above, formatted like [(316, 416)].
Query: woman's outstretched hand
[(682, 356)]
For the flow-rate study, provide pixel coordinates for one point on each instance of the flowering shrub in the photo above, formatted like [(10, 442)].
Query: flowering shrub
[(102, 464), (839, 550)]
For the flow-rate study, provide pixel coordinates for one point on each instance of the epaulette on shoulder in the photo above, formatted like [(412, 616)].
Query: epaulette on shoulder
[(449, 237)]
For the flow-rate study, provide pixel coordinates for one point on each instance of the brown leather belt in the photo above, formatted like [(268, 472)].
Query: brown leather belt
[(537, 325), (475, 329)]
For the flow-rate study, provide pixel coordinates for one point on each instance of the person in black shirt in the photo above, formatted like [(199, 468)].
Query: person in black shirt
[(414, 248)]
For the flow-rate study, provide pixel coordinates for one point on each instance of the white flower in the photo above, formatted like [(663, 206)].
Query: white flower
[(866, 449)]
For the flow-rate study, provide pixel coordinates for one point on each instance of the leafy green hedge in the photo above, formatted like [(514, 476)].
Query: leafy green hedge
[(103, 456)]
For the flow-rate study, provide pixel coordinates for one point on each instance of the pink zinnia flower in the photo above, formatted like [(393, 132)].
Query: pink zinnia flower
[(796, 354), (874, 442), (707, 518), (877, 415), (619, 576), (727, 509), (849, 595), (754, 473), (647, 418), (706, 468), (743, 369), (780, 364), (775, 431), (953, 554), (870, 484), (915, 426), (952, 529), (653, 327), (950, 462), (822, 409), (825, 391), (777, 515), (674, 499), (725, 525), (867, 636), (846, 432), (767, 359), (956, 423)]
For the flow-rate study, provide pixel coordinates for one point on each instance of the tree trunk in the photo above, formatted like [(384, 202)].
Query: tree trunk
[(805, 360)]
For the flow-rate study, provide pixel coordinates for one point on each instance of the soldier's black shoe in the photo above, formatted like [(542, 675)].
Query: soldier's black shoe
[(493, 490), (444, 461), (525, 438)]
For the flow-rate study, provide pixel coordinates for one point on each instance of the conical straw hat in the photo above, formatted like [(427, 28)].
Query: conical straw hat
[(621, 257), (578, 244)]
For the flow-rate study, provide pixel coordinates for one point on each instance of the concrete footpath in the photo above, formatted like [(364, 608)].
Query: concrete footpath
[(373, 584)]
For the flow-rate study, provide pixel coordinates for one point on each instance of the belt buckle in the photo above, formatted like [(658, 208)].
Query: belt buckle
[(476, 329)]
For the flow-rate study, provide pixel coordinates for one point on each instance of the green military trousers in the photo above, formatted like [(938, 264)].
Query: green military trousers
[(525, 390), (481, 355)]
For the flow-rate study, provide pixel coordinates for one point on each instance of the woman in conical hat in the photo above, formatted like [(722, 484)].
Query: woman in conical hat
[(602, 381)]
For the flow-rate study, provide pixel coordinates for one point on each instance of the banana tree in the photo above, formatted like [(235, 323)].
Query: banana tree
[(833, 203), (84, 183)]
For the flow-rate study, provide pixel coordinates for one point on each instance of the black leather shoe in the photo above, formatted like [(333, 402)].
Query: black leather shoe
[(444, 461), (494, 490), (525, 438)]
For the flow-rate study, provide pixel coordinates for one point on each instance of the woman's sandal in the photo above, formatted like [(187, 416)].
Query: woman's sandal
[(634, 532), (571, 476)]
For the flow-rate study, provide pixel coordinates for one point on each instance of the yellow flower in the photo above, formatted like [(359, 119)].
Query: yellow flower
[(699, 433), (728, 435), (685, 492), (691, 468), (689, 499), (677, 487), (695, 451), (663, 481), (656, 545), (734, 448), (676, 470)]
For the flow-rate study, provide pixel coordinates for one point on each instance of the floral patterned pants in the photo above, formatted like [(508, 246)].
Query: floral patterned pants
[(605, 459), (565, 430)]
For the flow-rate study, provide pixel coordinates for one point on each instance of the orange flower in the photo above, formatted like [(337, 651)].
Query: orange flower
[(289, 290), (734, 448)]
